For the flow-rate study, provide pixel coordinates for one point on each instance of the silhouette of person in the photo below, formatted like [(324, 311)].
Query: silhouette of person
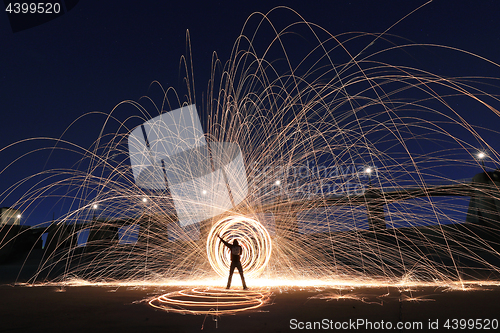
[(235, 261)]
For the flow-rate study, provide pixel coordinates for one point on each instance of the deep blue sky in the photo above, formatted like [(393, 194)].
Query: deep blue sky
[(103, 52)]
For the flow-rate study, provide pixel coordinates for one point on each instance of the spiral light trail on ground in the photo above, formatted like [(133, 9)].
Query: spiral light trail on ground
[(210, 301), (252, 237)]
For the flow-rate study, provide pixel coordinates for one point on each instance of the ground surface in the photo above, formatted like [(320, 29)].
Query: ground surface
[(112, 309)]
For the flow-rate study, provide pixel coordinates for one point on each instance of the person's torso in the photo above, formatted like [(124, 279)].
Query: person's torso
[(235, 252)]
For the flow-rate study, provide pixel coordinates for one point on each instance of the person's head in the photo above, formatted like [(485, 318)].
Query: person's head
[(235, 242)]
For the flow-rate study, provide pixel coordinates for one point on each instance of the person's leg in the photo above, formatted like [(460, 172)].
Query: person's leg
[(240, 269), (231, 271)]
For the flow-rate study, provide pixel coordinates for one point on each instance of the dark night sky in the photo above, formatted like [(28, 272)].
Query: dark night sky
[(101, 53)]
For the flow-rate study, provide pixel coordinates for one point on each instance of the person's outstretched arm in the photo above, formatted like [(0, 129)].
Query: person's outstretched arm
[(223, 241)]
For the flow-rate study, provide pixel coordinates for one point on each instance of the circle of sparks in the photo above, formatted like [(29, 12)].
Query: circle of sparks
[(206, 301), (251, 236)]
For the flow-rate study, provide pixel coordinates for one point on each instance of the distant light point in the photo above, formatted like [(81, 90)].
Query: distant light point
[(277, 182)]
